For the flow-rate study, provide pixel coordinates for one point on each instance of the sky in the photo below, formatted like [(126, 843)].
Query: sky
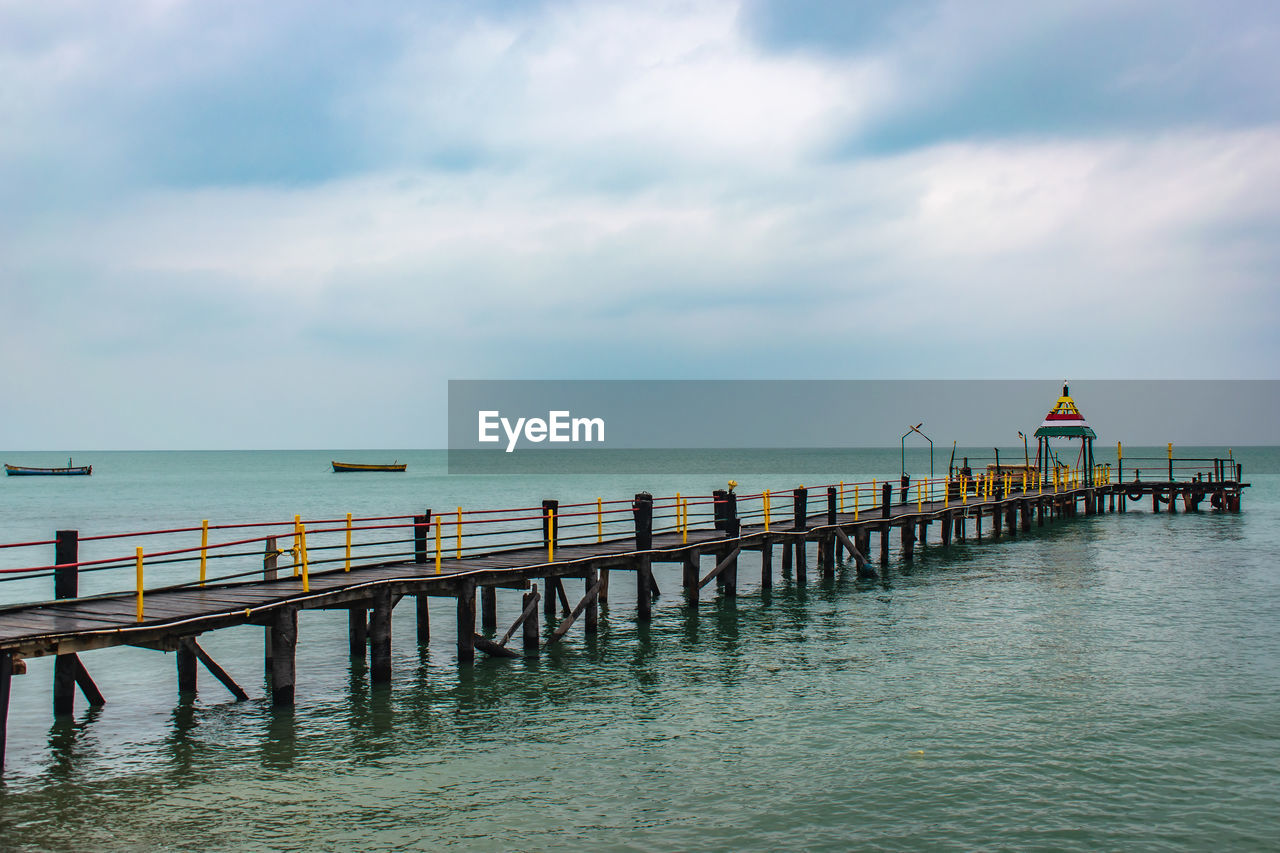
[(249, 225)]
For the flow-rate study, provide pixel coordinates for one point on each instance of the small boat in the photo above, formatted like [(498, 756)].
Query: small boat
[(343, 467), (69, 471)]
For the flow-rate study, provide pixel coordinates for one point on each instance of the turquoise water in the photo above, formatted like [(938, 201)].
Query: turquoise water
[(1106, 683)]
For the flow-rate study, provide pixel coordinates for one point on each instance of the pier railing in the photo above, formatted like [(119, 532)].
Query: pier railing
[(206, 554)]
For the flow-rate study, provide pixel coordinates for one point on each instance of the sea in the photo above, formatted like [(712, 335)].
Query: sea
[(1105, 683)]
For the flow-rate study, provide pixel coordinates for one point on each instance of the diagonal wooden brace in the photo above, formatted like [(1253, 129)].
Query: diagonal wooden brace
[(218, 672), (859, 559), (529, 609), (724, 564), (577, 611)]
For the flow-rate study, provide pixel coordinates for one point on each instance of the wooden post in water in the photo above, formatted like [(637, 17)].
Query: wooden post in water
[(488, 608), (529, 630), (800, 521), (947, 529), (186, 656), (828, 543), (766, 565), (467, 620), (423, 614), (6, 682), (380, 636), (358, 630), (591, 615), (908, 541), (730, 573), (642, 512), (284, 643), (788, 554), (884, 543), (66, 584), (269, 556), (689, 575)]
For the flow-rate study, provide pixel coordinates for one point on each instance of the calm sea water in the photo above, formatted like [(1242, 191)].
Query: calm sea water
[(1109, 683)]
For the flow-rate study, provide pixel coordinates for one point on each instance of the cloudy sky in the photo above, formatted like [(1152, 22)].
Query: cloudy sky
[(288, 224)]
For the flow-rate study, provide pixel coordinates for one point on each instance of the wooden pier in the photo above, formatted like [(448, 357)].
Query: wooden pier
[(839, 523)]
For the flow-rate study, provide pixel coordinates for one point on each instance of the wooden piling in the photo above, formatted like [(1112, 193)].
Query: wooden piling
[(488, 609), (423, 614), (788, 554), (884, 542), (380, 637), (908, 541), (591, 623), (284, 642), (270, 554), (642, 513), (766, 565), (186, 660), (731, 571), (529, 632), (467, 620), (689, 574), (6, 681), (358, 631)]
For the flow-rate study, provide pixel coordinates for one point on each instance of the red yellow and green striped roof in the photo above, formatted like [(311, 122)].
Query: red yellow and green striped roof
[(1065, 420)]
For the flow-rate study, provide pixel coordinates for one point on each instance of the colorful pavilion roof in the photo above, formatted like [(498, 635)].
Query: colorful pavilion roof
[(1065, 420)]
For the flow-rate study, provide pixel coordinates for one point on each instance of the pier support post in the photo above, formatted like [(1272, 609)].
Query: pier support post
[(730, 573), (947, 529), (787, 555), (489, 608), (66, 584), (284, 643), (908, 541), (800, 522), (642, 512), (689, 575), (380, 637), (1011, 517), (1040, 512), (6, 681), (358, 631), (977, 523), (423, 614), (591, 615), (529, 630), (766, 565), (269, 555), (1024, 508), (467, 621), (186, 656), (924, 532), (802, 560), (884, 541)]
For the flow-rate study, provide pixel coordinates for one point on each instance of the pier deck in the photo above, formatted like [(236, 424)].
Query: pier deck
[(173, 618)]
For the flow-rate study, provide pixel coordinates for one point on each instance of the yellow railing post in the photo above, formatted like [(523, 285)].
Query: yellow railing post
[(964, 490), (302, 543), (919, 495), (458, 535), (946, 492), (766, 510), (204, 549), (297, 548), (857, 499), (685, 514), (346, 566), (679, 515), (551, 535), (842, 497), (139, 559), (874, 493), (599, 520), (437, 544)]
